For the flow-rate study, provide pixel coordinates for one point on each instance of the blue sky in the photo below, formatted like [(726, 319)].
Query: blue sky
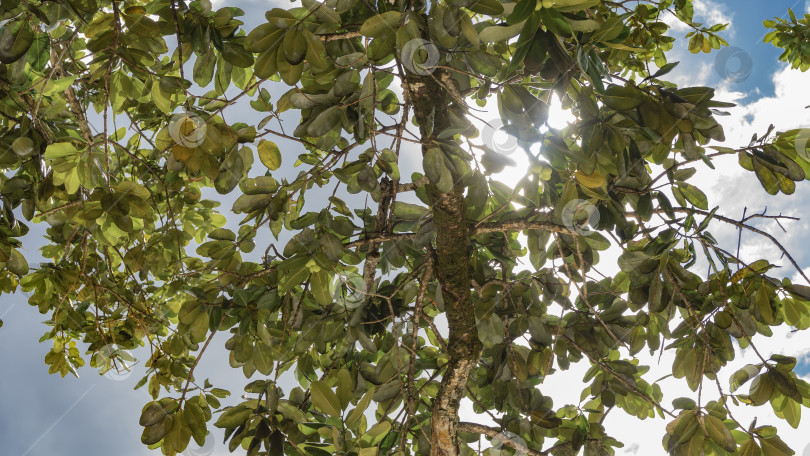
[(43, 414)]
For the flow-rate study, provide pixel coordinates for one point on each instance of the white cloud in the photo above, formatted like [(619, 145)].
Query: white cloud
[(797, 278), (786, 109), (695, 75), (712, 13), (706, 12)]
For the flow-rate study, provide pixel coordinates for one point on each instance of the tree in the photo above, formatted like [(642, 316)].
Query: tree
[(352, 306)]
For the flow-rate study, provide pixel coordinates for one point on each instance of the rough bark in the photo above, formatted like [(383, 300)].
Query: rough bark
[(430, 100)]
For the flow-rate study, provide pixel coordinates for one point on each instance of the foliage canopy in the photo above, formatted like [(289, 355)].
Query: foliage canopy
[(391, 306)]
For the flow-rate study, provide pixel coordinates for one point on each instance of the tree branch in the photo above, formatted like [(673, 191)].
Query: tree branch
[(59, 208), (380, 226), (750, 228), (339, 36), (380, 238), (495, 433), (490, 227), (411, 186), (522, 224)]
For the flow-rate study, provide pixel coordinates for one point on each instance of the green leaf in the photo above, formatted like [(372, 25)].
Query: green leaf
[(489, 7), (331, 246), (23, 146), (319, 287), (195, 419), (155, 433), (178, 437), (468, 30), (323, 122), (236, 55), (802, 291), (264, 38), (664, 70), (774, 446), (294, 278), (622, 98), (345, 387), (522, 11), (17, 263), (719, 433), (749, 448), (495, 33), (133, 188), (294, 46), (15, 40), (555, 22), (269, 154), (288, 72), (58, 85), (378, 24), (408, 211), (433, 164), (609, 30), (204, 67), (353, 418), (233, 417), (694, 195), (742, 376), (788, 409), (684, 403), (566, 6), (377, 432), (60, 150), (199, 329), (324, 399), (266, 64), (367, 179), (262, 359), (388, 391), (40, 52), (315, 51), (154, 412), (545, 418)]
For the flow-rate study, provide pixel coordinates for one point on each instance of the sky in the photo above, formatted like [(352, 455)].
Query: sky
[(43, 414)]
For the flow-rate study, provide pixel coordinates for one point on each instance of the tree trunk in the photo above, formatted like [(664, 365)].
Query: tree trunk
[(430, 100)]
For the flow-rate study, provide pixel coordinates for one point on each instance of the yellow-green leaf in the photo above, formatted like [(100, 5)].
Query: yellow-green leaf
[(269, 154), (324, 399), (719, 432)]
